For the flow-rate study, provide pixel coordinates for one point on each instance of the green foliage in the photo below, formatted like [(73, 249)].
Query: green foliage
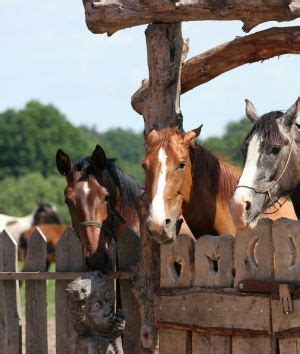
[(31, 137), (125, 146), (228, 146), (19, 196)]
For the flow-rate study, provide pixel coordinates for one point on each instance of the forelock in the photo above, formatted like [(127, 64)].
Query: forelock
[(267, 130)]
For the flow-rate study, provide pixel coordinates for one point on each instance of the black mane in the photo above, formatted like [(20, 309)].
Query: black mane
[(128, 187), (267, 128)]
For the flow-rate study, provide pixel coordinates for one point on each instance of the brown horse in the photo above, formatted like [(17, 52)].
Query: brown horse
[(182, 177), (102, 200), (52, 232)]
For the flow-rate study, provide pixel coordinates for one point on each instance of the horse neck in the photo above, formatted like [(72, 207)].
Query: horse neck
[(210, 185)]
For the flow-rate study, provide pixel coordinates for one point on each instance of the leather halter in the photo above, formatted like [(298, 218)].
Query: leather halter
[(109, 231), (275, 183)]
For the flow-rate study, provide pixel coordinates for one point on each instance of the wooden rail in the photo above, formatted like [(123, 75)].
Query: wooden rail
[(59, 275)]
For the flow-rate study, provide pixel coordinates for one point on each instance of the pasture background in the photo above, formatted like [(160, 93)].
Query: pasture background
[(30, 137)]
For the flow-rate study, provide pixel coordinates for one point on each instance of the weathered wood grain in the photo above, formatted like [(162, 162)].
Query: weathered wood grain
[(182, 252), (69, 257), (254, 253), (172, 341), (36, 296), (211, 310), (206, 66), (286, 238), (166, 52), (208, 344), (109, 16), (253, 345), (282, 322), (289, 345), (210, 249), (10, 326), (129, 252)]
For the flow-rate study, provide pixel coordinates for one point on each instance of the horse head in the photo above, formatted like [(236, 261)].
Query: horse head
[(88, 195), (168, 178), (271, 168)]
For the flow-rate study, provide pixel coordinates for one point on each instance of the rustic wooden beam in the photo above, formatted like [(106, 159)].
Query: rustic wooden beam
[(256, 47), (59, 275), (109, 16), (166, 51)]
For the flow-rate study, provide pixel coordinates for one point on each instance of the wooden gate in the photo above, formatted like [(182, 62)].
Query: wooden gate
[(221, 295)]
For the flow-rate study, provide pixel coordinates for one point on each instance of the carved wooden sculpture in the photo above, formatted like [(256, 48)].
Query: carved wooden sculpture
[(98, 327)]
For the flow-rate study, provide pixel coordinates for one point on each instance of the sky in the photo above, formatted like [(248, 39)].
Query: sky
[(48, 54)]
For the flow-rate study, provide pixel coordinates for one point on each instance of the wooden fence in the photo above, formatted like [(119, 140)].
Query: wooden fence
[(69, 265), (216, 294), (221, 295)]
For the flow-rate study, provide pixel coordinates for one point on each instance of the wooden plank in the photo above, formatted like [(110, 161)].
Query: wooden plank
[(286, 238), (182, 253), (209, 344), (69, 257), (230, 313), (59, 275), (253, 345), (210, 249), (172, 341), (128, 250), (254, 253), (285, 322), (36, 300), (289, 345), (10, 326)]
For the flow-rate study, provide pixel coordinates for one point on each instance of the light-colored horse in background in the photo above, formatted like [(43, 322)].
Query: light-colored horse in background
[(45, 213)]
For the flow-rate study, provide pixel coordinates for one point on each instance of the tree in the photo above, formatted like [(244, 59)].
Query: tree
[(228, 146), (31, 137)]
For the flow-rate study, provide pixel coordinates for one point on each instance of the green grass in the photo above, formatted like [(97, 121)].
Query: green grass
[(50, 294)]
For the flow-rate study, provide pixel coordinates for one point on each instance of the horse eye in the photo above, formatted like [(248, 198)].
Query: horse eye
[(181, 165), (144, 166), (275, 150), (106, 198)]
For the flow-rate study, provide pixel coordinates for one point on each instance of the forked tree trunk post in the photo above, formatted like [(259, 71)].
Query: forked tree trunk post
[(252, 48), (160, 105)]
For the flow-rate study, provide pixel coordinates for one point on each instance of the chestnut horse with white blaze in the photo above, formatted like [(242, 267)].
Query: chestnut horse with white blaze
[(272, 165), (183, 178)]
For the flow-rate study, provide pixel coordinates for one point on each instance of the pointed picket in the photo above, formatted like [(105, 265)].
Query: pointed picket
[(36, 295), (10, 326), (69, 258)]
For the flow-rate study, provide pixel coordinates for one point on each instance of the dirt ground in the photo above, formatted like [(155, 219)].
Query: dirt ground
[(51, 336)]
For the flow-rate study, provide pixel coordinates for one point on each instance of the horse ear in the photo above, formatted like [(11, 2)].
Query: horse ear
[(63, 163), (99, 159), (190, 136), (251, 112), (291, 114), (152, 137)]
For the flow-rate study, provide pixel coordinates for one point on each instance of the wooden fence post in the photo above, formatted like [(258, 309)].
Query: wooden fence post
[(36, 296), (10, 327), (69, 257)]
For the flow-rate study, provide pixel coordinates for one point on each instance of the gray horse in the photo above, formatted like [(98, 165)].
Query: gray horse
[(271, 165)]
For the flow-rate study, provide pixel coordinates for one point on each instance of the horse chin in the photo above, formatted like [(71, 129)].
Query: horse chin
[(99, 261), (164, 238)]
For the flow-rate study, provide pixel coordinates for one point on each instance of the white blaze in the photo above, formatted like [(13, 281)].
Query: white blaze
[(86, 188), (250, 170), (157, 208)]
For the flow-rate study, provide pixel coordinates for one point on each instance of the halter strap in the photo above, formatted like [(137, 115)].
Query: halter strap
[(85, 224), (268, 190)]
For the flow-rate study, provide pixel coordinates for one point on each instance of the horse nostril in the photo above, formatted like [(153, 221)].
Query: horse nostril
[(248, 205), (167, 221)]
